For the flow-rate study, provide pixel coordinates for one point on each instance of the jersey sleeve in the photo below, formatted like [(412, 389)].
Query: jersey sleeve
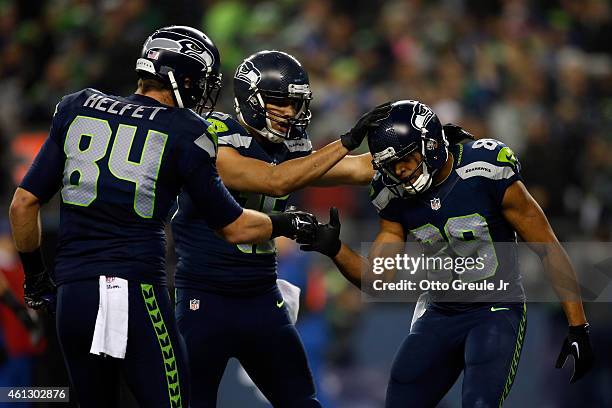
[(382, 199), (229, 132), (202, 182), (214, 202), (495, 162), (511, 171), (199, 146), (44, 177)]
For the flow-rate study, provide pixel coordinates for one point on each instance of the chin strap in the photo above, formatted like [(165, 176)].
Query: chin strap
[(175, 89), (422, 183)]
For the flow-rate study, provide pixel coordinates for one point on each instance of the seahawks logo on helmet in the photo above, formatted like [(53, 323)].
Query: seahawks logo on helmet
[(185, 46), (248, 73), (421, 115)]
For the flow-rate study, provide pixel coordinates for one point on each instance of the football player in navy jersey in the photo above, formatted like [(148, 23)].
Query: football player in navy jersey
[(227, 295), (463, 200), (120, 163)]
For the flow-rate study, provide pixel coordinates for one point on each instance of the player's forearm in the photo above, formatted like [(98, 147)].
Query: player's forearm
[(25, 221), (250, 228), (563, 278), (355, 170), (297, 173), (350, 264)]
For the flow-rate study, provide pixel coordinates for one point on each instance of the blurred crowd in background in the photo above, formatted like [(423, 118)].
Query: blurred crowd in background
[(536, 75)]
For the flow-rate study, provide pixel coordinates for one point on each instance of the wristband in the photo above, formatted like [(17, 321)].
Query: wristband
[(580, 329), (282, 225), (33, 263)]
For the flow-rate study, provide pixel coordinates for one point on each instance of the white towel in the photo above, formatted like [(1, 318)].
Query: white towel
[(111, 332), (420, 307), (291, 296)]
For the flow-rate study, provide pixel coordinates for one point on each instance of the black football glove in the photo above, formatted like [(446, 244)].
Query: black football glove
[(38, 288), (294, 224), (456, 134), (39, 292), (578, 345), (353, 138), (326, 239)]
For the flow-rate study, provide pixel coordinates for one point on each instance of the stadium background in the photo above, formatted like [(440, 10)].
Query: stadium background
[(536, 75)]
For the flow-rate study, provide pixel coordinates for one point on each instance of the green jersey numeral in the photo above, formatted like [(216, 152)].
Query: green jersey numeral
[(87, 143), (467, 236)]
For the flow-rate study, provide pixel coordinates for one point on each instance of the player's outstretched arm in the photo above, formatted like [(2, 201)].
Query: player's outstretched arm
[(355, 170), (252, 227), (250, 175), (529, 221), (326, 240), (236, 224)]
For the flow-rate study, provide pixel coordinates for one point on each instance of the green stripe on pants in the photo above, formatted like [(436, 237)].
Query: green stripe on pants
[(516, 356), (170, 366)]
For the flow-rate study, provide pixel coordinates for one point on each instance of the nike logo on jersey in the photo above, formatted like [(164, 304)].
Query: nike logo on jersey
[(497, 309), (280, 303), (575, 345)]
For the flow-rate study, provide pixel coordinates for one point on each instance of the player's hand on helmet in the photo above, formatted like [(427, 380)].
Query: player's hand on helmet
[(456, 134), (353, 138), (39, 291), (326, 239), (577, 344)]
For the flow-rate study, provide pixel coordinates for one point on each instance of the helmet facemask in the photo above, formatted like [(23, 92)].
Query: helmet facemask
[(298, 97), (386, 161), (210, 87), (202, 97)]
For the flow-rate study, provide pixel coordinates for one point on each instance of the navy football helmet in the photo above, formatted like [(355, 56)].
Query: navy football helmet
[(278, 78), (411, 126), (188, 61)]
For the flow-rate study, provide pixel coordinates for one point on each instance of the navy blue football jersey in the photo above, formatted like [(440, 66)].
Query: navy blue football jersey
[(207, 262), (120, 163), (462, 217)]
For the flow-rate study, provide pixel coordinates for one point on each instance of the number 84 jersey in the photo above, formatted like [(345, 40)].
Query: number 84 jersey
[(462, 218), (119, 164)]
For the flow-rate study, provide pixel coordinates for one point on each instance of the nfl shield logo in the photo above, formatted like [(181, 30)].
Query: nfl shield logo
[(194, 304), (435, 204)]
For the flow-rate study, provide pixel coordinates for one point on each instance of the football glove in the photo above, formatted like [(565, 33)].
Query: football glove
[(326, 239), (39, 292), (578, 345), (38, 288), (294, 224), (353, 138), (456, 134)]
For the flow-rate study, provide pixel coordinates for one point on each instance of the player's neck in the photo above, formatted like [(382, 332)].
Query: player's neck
[(445, 171), (164, 97)]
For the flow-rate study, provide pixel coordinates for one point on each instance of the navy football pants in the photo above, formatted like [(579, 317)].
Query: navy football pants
[(255, 330), (484, 344), (154, 367)]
